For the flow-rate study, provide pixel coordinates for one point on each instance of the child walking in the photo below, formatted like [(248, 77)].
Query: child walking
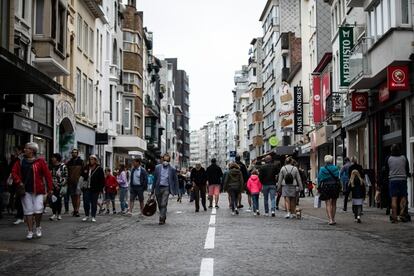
[(357, 188), (111, 187), (255, 186)]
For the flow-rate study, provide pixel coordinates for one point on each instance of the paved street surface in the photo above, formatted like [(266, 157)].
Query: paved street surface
[(205, 243)]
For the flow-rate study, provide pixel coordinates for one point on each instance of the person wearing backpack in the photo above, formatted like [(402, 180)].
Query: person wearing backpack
[(329, 187), (289, 182)]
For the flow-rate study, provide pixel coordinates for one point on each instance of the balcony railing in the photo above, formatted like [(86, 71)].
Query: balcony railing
[(114, 72), (359, 63)]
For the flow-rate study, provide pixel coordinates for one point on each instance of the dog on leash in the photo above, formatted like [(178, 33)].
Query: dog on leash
[(298, 212)]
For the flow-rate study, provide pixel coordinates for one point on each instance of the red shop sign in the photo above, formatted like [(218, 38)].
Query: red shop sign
[(383, 93), (360, 102), (397, 78), (317, 116)]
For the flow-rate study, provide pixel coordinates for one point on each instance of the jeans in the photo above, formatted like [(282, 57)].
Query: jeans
[(269, 190), (162, 199), (255, 198), (90, 202), (234, 194), (66, 201), (200, 191), (357, 209), (123, 192)]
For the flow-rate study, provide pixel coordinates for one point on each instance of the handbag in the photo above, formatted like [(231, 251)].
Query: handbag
[(150, 207)]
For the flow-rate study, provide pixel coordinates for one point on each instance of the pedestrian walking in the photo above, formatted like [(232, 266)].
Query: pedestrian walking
[(111, 188), (150, 179), (234, 185), (123, 188), (60, 174), (357, 188), (245, 175), (267, 176), (166, 183), (181, 184), (94, 183), (199, 181), (290, 184), (214, 178), (138, 185), (397, 169), (344, 177), (75, 166), (33, 180), (15, 201), (329, 187), (310, 187), (255, 187)]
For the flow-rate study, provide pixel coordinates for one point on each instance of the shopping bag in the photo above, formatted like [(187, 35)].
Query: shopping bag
[(317, 202)]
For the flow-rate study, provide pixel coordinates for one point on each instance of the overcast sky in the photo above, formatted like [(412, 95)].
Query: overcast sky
[(211, 39)]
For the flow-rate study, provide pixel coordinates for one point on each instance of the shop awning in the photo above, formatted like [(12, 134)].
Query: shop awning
[(285, 150), (19, 77)]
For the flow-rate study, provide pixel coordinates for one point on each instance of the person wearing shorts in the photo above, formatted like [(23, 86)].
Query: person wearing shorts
[(138, 184), (111, 187), (214, 177), (29, 174)]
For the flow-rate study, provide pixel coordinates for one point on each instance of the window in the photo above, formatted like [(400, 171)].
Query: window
[(132, 78), (118, 107), (97, 50), (100, 107), (20, 6), (79, 40), (85, 38), (89, 103), (405, 14), (61, 28), (84, 94), (91, 37), (100, 53), (114, 52), (39, 16), (111, 98), (268, 96), (78, 91), (127, 114), (42, 107), (269, 119)]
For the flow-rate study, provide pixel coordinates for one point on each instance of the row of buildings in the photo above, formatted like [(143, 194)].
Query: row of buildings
[(329, 77), (82, 74), (214, 140)]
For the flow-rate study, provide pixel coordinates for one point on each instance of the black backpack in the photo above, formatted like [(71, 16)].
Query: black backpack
[(289, 177)]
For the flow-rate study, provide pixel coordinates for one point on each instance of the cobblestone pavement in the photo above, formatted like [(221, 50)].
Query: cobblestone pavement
[(243, 245)]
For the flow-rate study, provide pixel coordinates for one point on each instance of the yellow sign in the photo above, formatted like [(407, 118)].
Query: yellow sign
[(273, 141)]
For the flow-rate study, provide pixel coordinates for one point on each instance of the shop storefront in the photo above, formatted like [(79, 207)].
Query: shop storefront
[(65, 128), (85, 137), (322, 144)]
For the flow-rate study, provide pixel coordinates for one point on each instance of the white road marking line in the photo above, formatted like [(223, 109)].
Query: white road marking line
[(213, 211), (211, 233), (207, 267), (212, 220)]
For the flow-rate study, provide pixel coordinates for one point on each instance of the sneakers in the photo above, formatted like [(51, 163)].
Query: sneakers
[(85, 219), (273, 214), (358, 219), (210, 206), (254, 213), (18, 221), (114, 212), (93, 219), (29, 235), (217, 207), (236, 211), (52, 218), (59, 217), (287, 216), (233, 213), (258, 213), (266, 214), (205, 209), (249, 209), (107, 211), (39, 232)]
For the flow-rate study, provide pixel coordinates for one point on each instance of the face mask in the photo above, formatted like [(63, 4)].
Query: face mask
[(165, 163)]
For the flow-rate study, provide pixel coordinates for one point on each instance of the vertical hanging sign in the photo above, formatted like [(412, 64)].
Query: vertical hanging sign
[(346, 43), (298, 104), (317, 100)]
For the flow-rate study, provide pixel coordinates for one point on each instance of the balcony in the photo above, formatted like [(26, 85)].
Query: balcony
[(355, 3), (359, 65), (48, 59), (258, 140), (114, 73), (130, 143)]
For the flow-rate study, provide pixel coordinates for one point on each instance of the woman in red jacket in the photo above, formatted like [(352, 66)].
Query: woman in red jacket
[(111, 187), (29, 175)]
